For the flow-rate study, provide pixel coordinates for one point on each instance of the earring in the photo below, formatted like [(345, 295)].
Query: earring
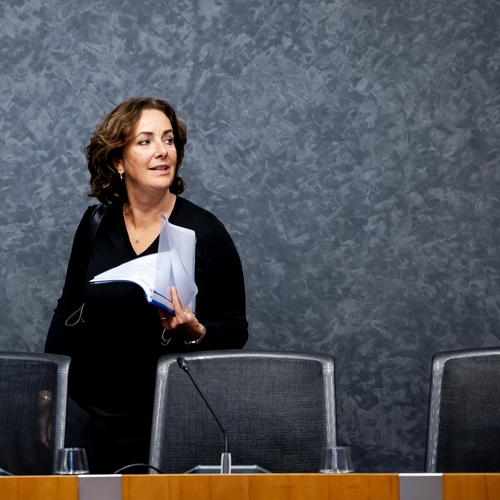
[(121, 173)]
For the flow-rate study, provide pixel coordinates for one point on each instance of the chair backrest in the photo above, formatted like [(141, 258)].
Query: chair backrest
[(33, 392), (464, 413), (278, 409)]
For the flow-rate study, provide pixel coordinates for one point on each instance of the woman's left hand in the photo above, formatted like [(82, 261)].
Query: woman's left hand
[(184, 323)]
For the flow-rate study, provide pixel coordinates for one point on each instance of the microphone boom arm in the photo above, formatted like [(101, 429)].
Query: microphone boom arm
[(225, 466)]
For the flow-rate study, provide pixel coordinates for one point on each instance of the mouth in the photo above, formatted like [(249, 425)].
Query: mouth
[(160, 168)]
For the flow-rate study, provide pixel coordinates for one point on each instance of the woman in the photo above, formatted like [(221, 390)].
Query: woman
[(134, 158)]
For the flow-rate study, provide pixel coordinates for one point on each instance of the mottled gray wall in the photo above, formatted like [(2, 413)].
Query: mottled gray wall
[(350, 147)]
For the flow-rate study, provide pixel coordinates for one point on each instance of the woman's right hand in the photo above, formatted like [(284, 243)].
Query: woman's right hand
[(184, 323)]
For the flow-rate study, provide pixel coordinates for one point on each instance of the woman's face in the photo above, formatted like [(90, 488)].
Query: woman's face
[(149, 159)]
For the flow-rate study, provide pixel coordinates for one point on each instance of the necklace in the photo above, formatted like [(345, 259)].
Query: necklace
[(136, 240), (155, 224)]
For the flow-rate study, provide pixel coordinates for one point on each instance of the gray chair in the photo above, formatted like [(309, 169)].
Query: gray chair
[(464, 413), (278, 409), (33, 392)]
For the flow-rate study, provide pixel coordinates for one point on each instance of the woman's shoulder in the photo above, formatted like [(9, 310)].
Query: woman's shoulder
[(85, 219), (187, 212), (204, 223), (94, 215), (99, 210)]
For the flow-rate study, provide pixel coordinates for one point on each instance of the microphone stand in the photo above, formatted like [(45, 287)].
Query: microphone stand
[(225, 463)]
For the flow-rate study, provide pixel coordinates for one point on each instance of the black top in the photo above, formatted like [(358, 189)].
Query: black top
[(116, 345)]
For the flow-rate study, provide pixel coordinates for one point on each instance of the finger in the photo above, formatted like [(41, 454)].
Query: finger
[(188, 314), (162, 313), (176, 302)]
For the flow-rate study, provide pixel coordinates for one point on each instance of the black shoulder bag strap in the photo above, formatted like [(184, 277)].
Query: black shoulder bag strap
[(95, 220)]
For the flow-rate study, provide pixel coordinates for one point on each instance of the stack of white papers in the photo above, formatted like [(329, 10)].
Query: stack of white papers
[(173, 265)]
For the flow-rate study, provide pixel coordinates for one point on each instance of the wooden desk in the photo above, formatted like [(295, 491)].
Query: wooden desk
[(471, 486), (39, 488), (262, 487), (248, 487)]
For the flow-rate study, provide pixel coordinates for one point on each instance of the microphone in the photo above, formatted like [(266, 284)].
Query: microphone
[(3, 472), (225, 464)]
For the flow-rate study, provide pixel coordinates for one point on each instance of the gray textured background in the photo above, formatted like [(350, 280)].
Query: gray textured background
[(350, 148)]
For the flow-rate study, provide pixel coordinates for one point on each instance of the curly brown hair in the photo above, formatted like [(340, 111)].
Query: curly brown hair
[(110, 137)]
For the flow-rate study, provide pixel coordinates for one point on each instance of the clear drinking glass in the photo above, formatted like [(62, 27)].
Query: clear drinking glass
[(336, 460), (71, 461)]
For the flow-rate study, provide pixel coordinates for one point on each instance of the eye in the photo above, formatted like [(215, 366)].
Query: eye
[(169, 141), (144, 142)]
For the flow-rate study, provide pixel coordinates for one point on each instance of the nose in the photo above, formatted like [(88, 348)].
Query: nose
[(161, 149)]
